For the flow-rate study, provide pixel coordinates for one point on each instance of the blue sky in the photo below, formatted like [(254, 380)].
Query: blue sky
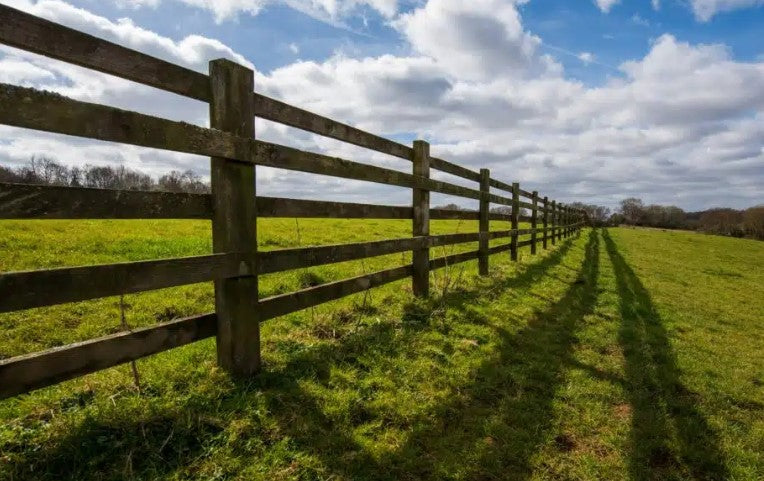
[(589, 100)]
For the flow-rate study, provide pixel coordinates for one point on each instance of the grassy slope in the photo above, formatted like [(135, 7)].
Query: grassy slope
[(631, 355)]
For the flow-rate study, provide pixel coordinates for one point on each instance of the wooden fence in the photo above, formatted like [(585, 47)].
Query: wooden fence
[(233, 207)]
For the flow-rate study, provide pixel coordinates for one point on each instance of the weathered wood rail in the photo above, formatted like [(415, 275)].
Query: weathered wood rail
[(234, 265)]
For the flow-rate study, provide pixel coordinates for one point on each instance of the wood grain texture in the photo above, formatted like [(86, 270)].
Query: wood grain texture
[(50, 112), (40, 36), (20, 201), (280, 207), (296, 301), (545, 223), (553, 218), (34, 371), (483, 227), (420, 279), (515, 219), (25, 290), (534, 222), (234, 220)]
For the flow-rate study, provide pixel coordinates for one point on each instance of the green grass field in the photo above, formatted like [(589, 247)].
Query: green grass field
[(619, 354)]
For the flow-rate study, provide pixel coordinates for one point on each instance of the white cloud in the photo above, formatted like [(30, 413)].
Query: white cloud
[(294, 48), (586, 57), (136, 4), (333, 11), (475, 40), (705, 10), (637, 19), (606, 5), (681, 125)]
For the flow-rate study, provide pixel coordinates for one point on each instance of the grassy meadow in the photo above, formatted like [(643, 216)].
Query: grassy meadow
[(618, 354)]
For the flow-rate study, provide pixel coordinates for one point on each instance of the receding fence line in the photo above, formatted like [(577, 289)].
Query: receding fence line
[(235, 264)]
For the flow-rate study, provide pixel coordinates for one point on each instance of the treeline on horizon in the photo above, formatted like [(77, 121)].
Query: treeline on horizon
[(45, 171), (720, 221), (632, 211)]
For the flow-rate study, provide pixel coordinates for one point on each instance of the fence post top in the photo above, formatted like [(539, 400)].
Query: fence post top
[(228, 63), (422, 147)]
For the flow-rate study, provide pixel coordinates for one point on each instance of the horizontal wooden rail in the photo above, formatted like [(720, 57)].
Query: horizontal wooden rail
[(37, 35), (279, 207), (283, 113), (301, 257), (445, 261), (283, 304), (30, 289), (28, 32), (51, 112), (25, 290), (46, 111), (40, 36), (33, 371), (508, 188), (234, 151), (20, 201), (453, 169), (283, 157)]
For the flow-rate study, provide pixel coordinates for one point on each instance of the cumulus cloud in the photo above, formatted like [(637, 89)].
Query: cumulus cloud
[(333, 11), (476, 40), (136, 4), (606, 5), (586, 57), (680, 125), (705, 10)]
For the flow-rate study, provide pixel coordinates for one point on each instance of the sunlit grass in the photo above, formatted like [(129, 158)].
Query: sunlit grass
[(631, 355)]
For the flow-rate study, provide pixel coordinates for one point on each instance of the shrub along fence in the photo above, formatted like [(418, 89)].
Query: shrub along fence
[(232, 206)]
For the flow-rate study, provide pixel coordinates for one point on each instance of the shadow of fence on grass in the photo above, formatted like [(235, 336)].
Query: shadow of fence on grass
[(501, 416), (490, 427), (670, 437)]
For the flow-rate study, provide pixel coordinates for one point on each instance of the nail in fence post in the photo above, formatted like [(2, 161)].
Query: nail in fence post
[(534, 221), (485, 205), (546, 220), (234, 226), (515, 218), (420, 281), (554, 222)]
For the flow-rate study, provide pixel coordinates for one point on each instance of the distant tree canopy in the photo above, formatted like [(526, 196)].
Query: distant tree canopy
[(723, 221), (45, 171), (597, 215), (449, 207)]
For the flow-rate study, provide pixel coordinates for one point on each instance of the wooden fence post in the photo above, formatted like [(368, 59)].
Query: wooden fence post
[(234, 220), (485, 205), (560, 221), (565, 222), (546, 220), (420, 280), (554, 222), (515, 218), (534, 222)]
